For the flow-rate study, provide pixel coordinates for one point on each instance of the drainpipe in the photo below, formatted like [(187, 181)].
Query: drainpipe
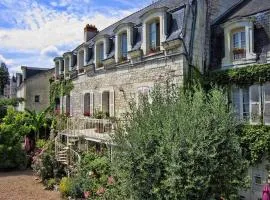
[(189, 52)]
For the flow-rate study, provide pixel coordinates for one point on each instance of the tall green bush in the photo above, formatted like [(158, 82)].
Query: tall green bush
[(182, 145), (12, 130)]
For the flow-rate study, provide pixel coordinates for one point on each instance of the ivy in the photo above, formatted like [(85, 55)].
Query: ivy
[(10, 102), (60, 88), (249, 75), (255, 141)]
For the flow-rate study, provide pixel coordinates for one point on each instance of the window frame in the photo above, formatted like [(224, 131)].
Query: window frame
[(37, 97)]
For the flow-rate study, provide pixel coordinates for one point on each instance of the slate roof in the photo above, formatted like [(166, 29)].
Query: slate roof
[(31, 71), (176, 23), (251, 7)]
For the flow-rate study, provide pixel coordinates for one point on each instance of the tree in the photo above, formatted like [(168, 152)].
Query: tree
[(181, 146), (12, 130), (38, 120), (4, 77)]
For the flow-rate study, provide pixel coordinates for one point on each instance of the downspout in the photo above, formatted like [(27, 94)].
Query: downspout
[(189, 52)]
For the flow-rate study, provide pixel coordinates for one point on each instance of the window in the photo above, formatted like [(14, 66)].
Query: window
[(258, 180), (123, 46), (143, 94), (247, 103), (239, 45), (240, 101), (100, 54), (154, 37), (37, 99)]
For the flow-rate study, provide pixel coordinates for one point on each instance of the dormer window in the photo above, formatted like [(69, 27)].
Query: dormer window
[(238, 38), (154, 36), (239, 45), (154, 24)]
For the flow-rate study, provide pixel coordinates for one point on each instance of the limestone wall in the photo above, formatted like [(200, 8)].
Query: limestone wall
[(125, 80)]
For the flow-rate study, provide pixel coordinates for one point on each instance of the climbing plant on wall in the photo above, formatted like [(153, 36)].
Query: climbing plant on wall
[(60, 88), (258, 73)]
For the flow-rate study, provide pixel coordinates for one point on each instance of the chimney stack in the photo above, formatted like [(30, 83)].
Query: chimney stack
[(90, 31)]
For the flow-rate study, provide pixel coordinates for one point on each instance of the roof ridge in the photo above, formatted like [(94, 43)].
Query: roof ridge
[(130, 15)]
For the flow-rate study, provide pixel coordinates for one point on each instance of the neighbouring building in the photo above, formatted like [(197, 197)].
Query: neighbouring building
[(10, 88), (33, 86), (158, 43), (241, 39)]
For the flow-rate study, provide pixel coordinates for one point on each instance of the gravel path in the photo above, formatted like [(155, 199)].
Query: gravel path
[(23, 186)]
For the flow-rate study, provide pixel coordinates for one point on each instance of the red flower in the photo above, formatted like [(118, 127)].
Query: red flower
[(111, 180), (87, 194), (100, 191)]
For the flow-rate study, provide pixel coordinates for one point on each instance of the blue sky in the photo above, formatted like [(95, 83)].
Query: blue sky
[(33, 32)]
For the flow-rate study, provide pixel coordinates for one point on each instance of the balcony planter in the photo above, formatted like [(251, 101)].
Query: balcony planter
[(239, 51), (154, 50), (81, 70), (99, 127), (99, 64)]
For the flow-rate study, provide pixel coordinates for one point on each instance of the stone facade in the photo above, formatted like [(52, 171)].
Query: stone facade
[(124, 82)]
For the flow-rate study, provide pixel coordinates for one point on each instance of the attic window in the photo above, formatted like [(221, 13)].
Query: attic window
[(37, 100)]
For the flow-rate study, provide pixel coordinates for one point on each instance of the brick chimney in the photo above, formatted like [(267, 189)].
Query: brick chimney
[(90, 31)]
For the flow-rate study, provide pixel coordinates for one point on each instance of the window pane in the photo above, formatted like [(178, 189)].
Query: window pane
[(267, 92), (243, 40), (235, 40), (124, 45), (101, 52), (245, 93), (153, 35), (236, 101), (254, 91)]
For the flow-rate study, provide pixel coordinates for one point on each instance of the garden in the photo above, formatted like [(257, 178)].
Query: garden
[(185, 144)]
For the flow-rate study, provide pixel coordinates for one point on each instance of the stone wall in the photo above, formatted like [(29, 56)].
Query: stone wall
[(125, 80)]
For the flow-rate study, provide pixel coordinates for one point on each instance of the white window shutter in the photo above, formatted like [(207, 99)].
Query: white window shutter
[(255, 104), (112, 103), (65, 104), (236, 102), (266, 110), (82, 103), (99, 101), (91, 103)]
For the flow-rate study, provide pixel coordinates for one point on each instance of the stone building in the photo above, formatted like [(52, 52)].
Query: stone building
[(164, 41), (33, 86), (241, 39), (10, 88), (128, 58)]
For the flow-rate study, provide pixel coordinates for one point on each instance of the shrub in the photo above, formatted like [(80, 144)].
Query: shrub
[(183, 145), (65, 186), (50, 183), (40, 143)]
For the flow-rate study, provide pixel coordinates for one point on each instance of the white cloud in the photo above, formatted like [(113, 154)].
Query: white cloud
[(5, 60), (50, 51), (49, 28)]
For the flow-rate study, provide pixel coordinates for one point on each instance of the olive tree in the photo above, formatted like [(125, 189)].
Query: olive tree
[(180, 145)]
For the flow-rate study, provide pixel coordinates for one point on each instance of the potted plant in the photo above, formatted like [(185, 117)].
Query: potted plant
[(99, 125), (86, 114), (122, 59), (238, 50), (99, 64), (81, 70)]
